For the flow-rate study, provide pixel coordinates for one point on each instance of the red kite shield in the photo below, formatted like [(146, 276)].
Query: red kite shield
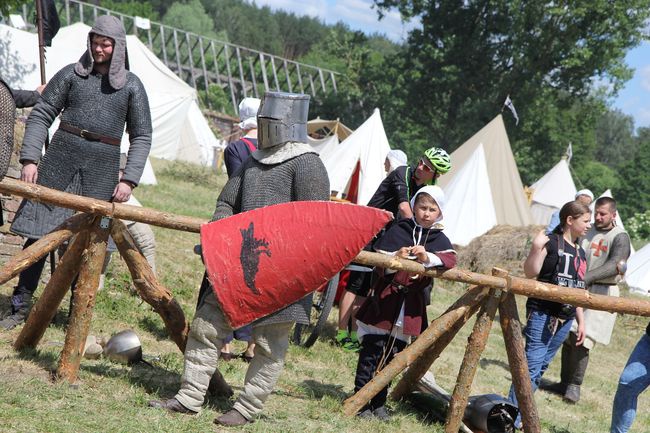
[(263, 260)]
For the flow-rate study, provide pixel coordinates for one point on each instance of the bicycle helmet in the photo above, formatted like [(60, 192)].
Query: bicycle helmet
[(439, 159)]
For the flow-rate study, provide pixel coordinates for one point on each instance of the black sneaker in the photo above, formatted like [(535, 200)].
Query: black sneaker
[(365, 414), (381, 413), (13, 320)]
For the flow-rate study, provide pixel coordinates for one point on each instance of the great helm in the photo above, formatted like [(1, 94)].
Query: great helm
[(282, 118), (439, 159)]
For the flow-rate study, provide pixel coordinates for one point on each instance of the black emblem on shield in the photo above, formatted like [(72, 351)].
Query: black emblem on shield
[(249, 256)]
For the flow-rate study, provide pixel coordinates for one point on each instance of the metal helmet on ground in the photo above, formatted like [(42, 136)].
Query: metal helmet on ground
[(282, 118), (124, 347), (439, 158)]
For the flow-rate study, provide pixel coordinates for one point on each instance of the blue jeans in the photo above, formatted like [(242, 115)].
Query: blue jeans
[(633, 381), (542, 343)]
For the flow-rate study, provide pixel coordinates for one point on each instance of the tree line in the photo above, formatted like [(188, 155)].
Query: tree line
[(561, 63)]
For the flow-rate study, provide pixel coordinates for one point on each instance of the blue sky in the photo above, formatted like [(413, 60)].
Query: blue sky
[(360, 15)]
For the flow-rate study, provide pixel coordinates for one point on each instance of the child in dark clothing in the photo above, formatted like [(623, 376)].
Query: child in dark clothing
[(397, 309)]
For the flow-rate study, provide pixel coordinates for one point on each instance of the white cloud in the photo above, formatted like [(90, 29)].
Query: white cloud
[(644, 74), (312, 8), (358, 14), (643, 117)]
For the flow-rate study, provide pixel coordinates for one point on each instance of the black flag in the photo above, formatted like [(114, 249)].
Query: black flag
[(51, 23)]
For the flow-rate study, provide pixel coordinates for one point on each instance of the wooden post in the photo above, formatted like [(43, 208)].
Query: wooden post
[(403, 359), (475, 346), (421, 365), (92, 260), (515, 348), (148, 287), (43, 246), (45, 308)]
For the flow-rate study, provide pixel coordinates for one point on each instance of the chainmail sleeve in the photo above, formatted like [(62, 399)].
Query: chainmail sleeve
[(138, 124), (43, 114), (311, 180), (620, 250), (229, 201)]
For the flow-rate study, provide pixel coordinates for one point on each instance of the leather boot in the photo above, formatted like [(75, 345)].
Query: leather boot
[(171, 405), (232, 418), (581, 361)]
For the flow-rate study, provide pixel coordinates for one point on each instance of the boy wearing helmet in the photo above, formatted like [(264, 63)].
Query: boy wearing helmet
[(394, 195)]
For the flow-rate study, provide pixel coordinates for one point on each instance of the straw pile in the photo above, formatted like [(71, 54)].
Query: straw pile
[(503, 246)]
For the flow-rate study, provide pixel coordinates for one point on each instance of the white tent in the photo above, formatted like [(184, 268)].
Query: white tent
[(483, 183), (179, 129), (366, 148), (551, 192), (638, 271), (466, 193)]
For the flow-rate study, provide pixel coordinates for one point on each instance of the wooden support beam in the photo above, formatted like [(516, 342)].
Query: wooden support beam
[(515, 349), (148, 287), (436, 329), (43, 246), (45, 308), (92, 260), (520, 286), (99, 207), (475, 346), (421, 365)]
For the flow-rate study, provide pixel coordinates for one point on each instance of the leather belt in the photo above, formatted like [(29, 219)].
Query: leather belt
[(88, 135)]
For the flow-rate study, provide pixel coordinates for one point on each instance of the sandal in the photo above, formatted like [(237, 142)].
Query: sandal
[(246, 358), (226, 356)]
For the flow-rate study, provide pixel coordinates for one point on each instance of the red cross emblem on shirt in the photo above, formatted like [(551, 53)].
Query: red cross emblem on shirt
[(598, 247)]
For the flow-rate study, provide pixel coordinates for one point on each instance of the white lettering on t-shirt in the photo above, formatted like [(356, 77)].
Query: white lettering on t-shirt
[(567, 263)]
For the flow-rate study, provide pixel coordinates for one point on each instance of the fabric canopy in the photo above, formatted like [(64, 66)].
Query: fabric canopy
[(179, 129), (366, 148), (507, 200), (551, 192), (638, 271), (333, 127)]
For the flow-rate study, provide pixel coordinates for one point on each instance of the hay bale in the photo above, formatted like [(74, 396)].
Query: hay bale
[(504, 246)]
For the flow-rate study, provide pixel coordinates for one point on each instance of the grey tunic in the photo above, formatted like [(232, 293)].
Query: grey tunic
[(72, 163), (257, 185)]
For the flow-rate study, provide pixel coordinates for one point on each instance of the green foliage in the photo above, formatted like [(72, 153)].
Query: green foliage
[(132, 7), (634, 195), (190, 16), (9, 7), (638, 226), (216, 98)]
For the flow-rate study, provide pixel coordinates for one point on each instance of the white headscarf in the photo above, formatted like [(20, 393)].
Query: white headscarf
[(437, 194), (248, 113), (396, 158)]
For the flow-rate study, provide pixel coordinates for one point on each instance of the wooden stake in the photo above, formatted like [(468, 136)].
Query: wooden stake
[(92, 261), (43, 246), (409, 381), (475, 346), (403, 359), (45, 308), (148, 287), (515, 348)]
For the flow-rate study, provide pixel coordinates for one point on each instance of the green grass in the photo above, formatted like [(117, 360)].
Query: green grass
[(112, 397)]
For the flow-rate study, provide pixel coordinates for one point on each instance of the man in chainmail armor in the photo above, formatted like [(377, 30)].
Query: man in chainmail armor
[(283, 169), (96, 98)]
